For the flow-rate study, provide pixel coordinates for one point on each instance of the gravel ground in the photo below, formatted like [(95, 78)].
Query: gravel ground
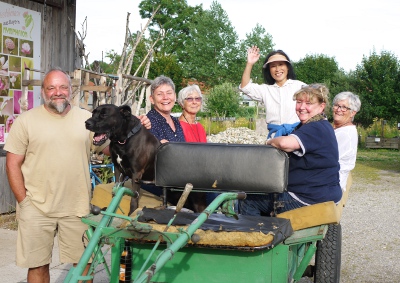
[(371, 231)]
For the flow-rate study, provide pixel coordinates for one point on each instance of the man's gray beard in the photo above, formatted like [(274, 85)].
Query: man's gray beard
[(57, 107)]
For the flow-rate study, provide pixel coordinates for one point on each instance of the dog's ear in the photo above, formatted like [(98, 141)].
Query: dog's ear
[(125, 111)]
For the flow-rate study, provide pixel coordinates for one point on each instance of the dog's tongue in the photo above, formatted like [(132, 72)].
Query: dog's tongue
[(99, 137)]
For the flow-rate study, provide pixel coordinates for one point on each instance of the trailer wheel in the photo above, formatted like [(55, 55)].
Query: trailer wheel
[(328, 256)]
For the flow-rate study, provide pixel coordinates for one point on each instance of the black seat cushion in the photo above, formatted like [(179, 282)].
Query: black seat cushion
[(226, 167)]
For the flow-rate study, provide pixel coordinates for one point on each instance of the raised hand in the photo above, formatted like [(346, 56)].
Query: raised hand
[(253, 54)]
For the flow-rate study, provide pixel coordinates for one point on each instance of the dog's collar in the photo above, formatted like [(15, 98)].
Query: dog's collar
[(131, 133)]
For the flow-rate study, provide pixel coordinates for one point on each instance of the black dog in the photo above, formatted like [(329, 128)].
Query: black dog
[(132, 146), (133, 149)]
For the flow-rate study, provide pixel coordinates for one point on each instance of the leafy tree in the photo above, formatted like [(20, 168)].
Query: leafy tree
[(173, 20), (377, 82), (263, 41), (167, 65), (212, 52), (340, 82), (223, 101), (111, 68), (203, 41), (316, 69), (323, 69)]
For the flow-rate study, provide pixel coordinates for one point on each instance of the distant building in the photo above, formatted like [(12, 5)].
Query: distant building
[(247, 101)]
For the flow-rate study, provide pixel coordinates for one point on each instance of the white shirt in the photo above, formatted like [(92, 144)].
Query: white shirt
[(347, 139), (280, 108)]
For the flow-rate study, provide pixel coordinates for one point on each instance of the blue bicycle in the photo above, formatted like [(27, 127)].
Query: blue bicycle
[(93, 176)]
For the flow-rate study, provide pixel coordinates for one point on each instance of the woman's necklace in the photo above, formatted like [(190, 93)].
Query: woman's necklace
[(197, 137)]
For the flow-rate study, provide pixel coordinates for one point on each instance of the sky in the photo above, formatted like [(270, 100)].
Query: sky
[(344, 29)]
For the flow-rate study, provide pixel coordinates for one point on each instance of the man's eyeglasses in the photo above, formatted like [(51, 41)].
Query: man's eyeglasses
[(341, 107), (190, 99)]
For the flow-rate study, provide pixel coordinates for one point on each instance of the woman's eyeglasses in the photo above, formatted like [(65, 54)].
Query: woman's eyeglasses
[(190, 99), (341, 107)]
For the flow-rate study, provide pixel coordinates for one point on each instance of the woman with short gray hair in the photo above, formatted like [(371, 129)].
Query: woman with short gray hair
[(345, 106), (164, 126), (190, 99)]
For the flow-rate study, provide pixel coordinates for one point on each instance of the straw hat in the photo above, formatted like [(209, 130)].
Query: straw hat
[(276, 57)]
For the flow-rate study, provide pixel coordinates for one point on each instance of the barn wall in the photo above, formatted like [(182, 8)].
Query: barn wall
[(58, 37)]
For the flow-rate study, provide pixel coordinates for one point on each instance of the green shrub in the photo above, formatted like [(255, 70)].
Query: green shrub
[(223, 101), (247, 111), (389, 129), (214, 126), (362, 133), (105, 174)]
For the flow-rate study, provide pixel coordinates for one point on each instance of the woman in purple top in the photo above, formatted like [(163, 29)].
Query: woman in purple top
[(164, 127), (313, 162)]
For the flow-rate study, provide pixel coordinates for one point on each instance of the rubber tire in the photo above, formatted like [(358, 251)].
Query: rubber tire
[(328, 256)]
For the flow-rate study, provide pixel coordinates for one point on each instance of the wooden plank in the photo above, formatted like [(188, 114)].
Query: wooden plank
[(75, 82), (147, 81), (97, 75), (307, 235), (99, 88), (49, 3), (92, 72), (76, 89), (85, 94), (31, 83), (312, 215), (376, 142), (93, 76)]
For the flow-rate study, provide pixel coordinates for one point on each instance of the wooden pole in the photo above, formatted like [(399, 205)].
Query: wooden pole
[(23, 102), (76, 88)]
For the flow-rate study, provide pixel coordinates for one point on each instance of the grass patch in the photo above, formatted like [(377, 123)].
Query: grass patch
[(366, 173), (371, 161), (379, 159)]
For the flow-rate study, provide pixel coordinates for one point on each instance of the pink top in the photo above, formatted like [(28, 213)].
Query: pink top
[(193, 132)]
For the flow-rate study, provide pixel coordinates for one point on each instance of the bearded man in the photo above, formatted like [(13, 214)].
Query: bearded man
[(47, 163)]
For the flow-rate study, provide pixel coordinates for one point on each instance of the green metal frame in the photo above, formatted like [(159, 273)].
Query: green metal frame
[(168, 258)]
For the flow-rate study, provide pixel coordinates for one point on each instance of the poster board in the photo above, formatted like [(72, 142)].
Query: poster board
[(20, 35)]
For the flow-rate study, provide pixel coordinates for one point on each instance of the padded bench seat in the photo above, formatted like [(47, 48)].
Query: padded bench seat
[(102, 196), (318, 214), (220, 231)]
